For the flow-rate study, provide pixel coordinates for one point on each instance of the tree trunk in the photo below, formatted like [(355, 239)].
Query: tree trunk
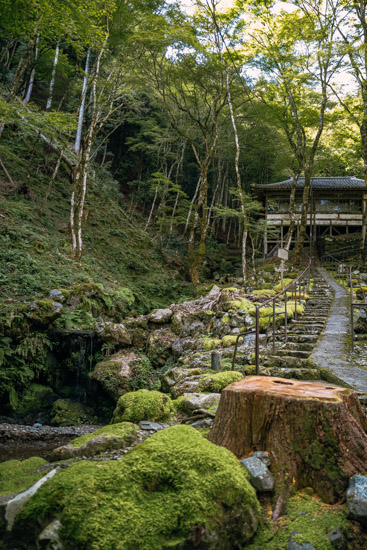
[(52, 81), (304, 212), (315, 434), (292, 204), (82, 106), (28, 94)]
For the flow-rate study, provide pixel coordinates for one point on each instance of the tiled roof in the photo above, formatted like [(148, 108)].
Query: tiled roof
[(342, 183)]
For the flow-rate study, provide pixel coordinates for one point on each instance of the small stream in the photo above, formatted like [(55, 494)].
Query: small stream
[(18, 441)]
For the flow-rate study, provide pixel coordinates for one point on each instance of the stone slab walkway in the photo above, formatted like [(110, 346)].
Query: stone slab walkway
[(333, 348)]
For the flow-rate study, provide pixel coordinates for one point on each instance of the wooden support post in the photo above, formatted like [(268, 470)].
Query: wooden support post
[(266, 238), (281, 234)]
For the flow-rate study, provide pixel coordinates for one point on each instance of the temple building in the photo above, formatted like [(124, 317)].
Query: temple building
[(336, 206)]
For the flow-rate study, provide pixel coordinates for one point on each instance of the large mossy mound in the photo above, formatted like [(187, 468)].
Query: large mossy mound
[(18, 475), (307, 515), (143, 405), (175, 490)]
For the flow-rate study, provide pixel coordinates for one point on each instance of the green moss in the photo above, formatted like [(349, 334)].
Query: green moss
[(310, 517), (225, 319), (124, 430), (210, 343), (264, 293), (217, 382), (229, 340), (286, 282), (173, 485), (33, 399), (142, 405), (66, 412), (242, 304), (18, 475)]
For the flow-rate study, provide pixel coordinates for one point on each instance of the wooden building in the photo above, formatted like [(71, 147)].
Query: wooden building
[(335, 207)]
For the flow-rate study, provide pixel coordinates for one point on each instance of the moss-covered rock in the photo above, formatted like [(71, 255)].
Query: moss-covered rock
[(175, 490), (142, 405), (110, 437), (18, 475), (217, 382), (159, 346), (113, 333), (66, 412), (229, 340), (44, 312), (35, 398), (123, 372), (209, 344)]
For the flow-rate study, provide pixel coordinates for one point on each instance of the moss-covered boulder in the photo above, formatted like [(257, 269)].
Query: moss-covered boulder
[(217, 382), (116, 374), (175, 490), (18, 475), (66, 412), (35, 398), (159, 346), (142, 405), (44, 312), (113, 333), (104, 439)]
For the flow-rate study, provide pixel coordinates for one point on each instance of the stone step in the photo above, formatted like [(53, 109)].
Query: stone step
[(302, 338), (298, 346), (291, 353), (285, 361)]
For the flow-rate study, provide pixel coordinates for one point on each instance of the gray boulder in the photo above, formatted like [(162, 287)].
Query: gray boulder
[(200, 401), (160, 316), (114, 333), (263, 456), (357, 498), (260, 476), (49, 539)]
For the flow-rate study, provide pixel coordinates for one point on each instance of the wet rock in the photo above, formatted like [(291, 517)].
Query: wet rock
[(357, 498), (200, 401), (337, 538), (293, 545), (260, 476), (151, 426), (113, 333), (160, 316)]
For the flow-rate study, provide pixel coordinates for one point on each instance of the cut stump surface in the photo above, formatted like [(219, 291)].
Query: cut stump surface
[(315, 434)]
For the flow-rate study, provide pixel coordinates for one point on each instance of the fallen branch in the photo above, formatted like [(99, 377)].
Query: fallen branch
[(7, 174)]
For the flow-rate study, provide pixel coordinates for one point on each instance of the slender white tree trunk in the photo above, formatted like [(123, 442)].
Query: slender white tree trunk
[(78, 137), (27, 96), (52, 81)]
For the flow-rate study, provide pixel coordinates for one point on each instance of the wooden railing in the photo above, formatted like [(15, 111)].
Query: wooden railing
[(299, 286)]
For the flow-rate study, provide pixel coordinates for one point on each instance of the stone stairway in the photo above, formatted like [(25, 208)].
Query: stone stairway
[(291, 359)]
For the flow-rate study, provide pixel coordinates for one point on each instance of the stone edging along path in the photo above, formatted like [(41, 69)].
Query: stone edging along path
[(332, 349)]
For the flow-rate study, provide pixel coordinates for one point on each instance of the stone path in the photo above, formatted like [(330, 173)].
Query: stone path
[(332, 350)]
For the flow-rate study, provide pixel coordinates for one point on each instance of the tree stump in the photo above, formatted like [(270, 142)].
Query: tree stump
[(315, 434)]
